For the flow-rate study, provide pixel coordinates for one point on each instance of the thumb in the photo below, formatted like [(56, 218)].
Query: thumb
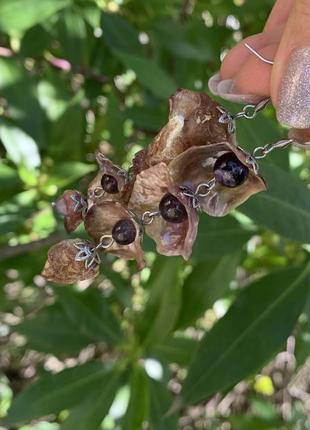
[(290, 80)]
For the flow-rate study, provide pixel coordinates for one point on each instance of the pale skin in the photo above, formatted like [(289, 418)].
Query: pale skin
[(287, 27)]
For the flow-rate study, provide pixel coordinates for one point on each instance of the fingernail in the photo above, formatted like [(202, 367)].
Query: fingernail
[(226, 90), (294, 95), (213, 83)]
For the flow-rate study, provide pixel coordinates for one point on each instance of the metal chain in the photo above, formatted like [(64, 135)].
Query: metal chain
[(202, 190), (106, 241), (249, 111), (148, 217), (261, 152)]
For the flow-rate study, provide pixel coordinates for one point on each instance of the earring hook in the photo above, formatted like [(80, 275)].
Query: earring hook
[(258, 55)]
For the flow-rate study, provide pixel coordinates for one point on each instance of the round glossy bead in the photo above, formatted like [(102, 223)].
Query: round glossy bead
[(229, 171), (124, 232), (109, 184), (171, 209)]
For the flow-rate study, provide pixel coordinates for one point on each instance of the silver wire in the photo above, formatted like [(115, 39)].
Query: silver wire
[(263, 59)]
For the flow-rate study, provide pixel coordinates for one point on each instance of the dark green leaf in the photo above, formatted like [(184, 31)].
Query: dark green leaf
[(72, 323), (208, 282), (160, 404), (138, 405), (162, 309), (150, 75), (254, 328), (119, 34), (50, 394), (284, 207), (218, 237), (91, 413), (178, 350)]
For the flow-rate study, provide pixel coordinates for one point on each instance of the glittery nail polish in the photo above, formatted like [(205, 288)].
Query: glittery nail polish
[(294, 95), (225, 88)]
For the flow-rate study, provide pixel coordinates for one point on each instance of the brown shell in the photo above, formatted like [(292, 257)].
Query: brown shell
[(100, 220), (66, 206), (149, 188), (107, 167), (193, 121), (301, 137), (195, 166), (61, 266)]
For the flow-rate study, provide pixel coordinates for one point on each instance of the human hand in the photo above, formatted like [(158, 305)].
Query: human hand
[(285, 40)]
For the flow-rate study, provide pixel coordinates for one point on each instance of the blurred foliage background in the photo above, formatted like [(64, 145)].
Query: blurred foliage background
[(221, 342)]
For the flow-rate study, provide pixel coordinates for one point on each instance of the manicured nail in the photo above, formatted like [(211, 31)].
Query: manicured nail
[(294, 94), (226, 89), (213, 83)]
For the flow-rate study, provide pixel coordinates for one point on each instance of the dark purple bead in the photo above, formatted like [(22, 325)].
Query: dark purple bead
[(171, 209), (109, 184), (229, 171), (124, 232)]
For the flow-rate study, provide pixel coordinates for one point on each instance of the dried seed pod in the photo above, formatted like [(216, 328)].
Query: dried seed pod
[(62, 265), (200, 165), (151, 186), (111, 183), (102, 219), (71, 206), (301, 137), (194, 120)]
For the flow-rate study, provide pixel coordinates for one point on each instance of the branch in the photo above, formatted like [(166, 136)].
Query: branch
[(13, 251)]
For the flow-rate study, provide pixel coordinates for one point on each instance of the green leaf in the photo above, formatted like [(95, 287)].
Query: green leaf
[(65, 173), (218, 237), (150, 75), (18, 87), (138, 405), (51, 394), (284, 207), (119, 35), (9, 181), (175, 349), (160, 403), (162, 310), (52, 331), (91, 413), (208, 282), (72, 323), (20, 147), (18, 15), (254, 328), (90, 311), (72, 35)]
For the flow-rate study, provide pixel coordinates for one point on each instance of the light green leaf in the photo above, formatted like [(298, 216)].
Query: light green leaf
[(20, 147), (18, 15), (254, 328), (51, 394), (150, 75)]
